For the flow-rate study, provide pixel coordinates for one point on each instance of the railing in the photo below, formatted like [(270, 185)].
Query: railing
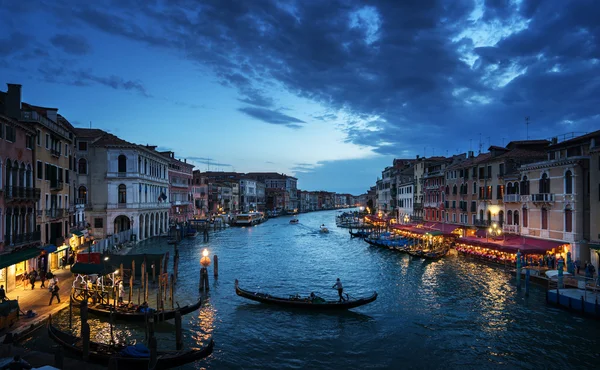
[(545, 197), (34, 116), (18, 239), (55, 153), (22, 193), (178, 185), (138, 205), (525, 198), (136, 175), (512, 198), (57, 185), (55, 212), (514, 229), (482, 223)]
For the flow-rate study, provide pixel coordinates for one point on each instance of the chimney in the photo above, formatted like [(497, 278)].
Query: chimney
[(52, 114), (554, 140), (13, 101), (417, 156), (184, 160), (471, 154)]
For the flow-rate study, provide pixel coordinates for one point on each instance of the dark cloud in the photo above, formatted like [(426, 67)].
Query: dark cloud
[(72, 44), (13, 43), (271, 116), (407, 74)]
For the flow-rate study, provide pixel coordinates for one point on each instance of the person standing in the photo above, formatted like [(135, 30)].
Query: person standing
[(340, 288), (2, 294), (32, 278), (121, 292), (42, 278), (54, 294)]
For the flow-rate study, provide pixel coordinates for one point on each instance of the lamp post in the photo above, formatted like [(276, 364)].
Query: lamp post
[(494, 230), (205, 262), (406, 219)]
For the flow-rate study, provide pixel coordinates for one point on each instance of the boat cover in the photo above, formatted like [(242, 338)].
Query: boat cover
[(138, 350)]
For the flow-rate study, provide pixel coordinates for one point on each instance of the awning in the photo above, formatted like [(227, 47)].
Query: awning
[(481, 233), (594, 246), (50, 248), (62, 248), (92, 269), (77, 233), (18, 256)]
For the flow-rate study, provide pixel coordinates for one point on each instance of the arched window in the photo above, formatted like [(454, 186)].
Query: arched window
[(122, 193), (544, 219), (474, 188), (122, 163), (481, 215), (544, 184), (568, 221), (525, 218), (525, 186), (489, 217), (509, 217), (447, 190), (516, 218), (454, 189), (82, 166), (568, 183), (82, 195), (501, 218)]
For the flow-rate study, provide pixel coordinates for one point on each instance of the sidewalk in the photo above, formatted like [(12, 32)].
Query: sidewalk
[(37, 301)]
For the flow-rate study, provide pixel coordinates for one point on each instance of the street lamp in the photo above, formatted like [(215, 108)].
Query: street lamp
[(205, 260), (406, 219), (494, 230)]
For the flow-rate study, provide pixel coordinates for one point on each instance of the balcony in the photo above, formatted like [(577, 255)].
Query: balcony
[(512, 198), (138, 205), (55, 153), (80, 202), (56, 212), (20, 239), (482, 223), (56, 185), (512, 229), (542, 198), (417, 205), (55, 128), (21, 193)]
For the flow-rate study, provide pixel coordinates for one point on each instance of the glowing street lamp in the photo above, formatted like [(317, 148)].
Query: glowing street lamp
[(205, 260)]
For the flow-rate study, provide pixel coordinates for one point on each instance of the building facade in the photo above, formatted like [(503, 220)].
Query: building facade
[(181, 176)]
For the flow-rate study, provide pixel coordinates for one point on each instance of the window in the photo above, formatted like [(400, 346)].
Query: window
[(38, 137), (10, 133), (509, 217), (66, 150), (82, 195), (489, 172), (544, 184), (29, 141), (525, 186), (516, 218), (47, 141), (544, 219), (474, 188), (501, 170), (47, 171), (82, 166), (568, 220), (40, 170), (525, 218), (1, 130), (67, 176), (122, 163), (122, 193), (568, 183), (82, 145), (98, 223)]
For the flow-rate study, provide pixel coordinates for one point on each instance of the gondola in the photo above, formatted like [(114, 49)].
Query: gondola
[(359, 234), (132, 315), (104, 353), (305, 303)]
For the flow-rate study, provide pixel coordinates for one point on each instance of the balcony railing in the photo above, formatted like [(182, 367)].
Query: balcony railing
[(34, 116), (21, 193), (513, 229), (512, 198), (545, 198), (19, 239), (56, 212), (138, 205), (55, 153), (56, 185), (482, 223), (417, 205)]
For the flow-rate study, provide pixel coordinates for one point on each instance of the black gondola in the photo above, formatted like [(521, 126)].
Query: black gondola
[(305, 303), (359, 234), (104, 353), (123, 314)]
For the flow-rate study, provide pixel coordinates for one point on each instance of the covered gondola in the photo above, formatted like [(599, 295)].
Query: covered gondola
[(126, 356), (359, 234), (305, 303), (133, 314)]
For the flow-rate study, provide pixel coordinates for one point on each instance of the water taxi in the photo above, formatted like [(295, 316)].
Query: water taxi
[(248, 219)]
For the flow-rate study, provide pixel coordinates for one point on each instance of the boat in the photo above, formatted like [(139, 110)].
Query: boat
[(307, 303), (359, 234), (105, 353), (191, 233), (9, 313), (248, 219), (323, 229), (100, 309), (294, 221)]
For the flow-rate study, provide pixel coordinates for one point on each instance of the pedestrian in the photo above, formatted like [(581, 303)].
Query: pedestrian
[(32, 278), (577, 266), (55, 289), (2, 294), (340, 288), (42, 279), (63, 262), (121, 292), (17, 364)]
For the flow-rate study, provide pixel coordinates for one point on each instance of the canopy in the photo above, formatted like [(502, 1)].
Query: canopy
[(50, 248), (18, 256), (151, 259), (92, 269), (77, 233)]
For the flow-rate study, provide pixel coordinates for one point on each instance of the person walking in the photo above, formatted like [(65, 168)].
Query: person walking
[(54, 294), (42, 278), (32, 278), (2, 294), (340, 288)]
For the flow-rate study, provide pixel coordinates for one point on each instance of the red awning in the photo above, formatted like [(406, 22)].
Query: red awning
[(526, 245), (481, 233), (374, 219)]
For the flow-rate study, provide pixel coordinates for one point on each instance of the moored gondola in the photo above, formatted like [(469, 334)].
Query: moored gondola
[(359, 234), (135, 315), (104, 353), (305, 303)]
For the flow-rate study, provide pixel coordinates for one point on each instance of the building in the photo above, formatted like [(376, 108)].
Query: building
[(405, 185), (594, 206), (124, 186), (181, 175), (200, 194), (273, 180), (19, 235), (433, 188), (247, 193)]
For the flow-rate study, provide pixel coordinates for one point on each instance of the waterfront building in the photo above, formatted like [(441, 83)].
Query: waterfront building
[(19, 235), (555, 195), (260, 196), (433, 186), (371, 198), (313, 197), (124, 186), (180, 188), (247, 195), (419, 191), (200, 194), (304, 200), (273, 180), (405, 185), (594, 206), (384, 196)]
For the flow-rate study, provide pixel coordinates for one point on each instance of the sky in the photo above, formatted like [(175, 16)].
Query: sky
[(329, 91)]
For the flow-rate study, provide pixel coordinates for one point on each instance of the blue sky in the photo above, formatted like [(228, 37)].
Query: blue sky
[(328, 91)]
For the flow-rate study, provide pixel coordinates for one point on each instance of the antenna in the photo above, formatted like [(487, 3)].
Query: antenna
[(527, 125), (503, 141), (480, 143), (470, 144), (489, 142), (90, 124)]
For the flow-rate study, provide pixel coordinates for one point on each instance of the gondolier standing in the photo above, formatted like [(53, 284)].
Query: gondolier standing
[(340, 288)]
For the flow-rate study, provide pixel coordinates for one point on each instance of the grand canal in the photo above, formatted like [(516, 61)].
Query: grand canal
[(450, 313)]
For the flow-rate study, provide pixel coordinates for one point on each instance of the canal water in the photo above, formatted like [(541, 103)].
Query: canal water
[(452, 313)]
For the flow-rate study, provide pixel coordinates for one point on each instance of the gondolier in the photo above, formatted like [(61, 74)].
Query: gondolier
[(340, 288)]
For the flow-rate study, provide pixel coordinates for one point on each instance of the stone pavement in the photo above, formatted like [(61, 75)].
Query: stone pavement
[(37, 301)]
